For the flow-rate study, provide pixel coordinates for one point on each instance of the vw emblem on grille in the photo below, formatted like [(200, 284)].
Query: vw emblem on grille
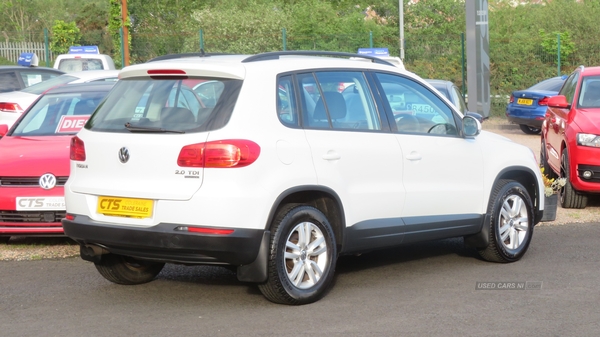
[(47, 181), (123, 155)]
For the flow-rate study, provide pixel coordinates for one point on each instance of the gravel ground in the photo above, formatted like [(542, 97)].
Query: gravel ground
[(24, 248)]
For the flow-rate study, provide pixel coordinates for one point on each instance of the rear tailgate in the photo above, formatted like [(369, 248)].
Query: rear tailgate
[(150, 172)]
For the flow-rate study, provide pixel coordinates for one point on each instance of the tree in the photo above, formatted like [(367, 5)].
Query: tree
[(64, 35)]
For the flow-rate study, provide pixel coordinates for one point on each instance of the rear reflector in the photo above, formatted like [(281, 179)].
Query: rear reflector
[(205, 230), (69, 216), (77, 149), (10, 107), (219, 154)]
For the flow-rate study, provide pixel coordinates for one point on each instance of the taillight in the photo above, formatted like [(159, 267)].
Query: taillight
[(512, 99), (543, 101), (10, 107), (222, 153), (77, 149)]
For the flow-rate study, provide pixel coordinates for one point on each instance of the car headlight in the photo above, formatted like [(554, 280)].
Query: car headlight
[(586, 139)]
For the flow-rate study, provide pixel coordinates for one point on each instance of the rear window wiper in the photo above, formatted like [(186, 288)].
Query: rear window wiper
[(133, 128)]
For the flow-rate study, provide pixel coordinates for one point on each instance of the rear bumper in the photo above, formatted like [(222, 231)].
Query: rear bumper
[(163, 243), (532, 122)]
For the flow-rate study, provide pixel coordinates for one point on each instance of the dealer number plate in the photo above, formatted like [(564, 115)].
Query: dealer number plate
[(125, 207)]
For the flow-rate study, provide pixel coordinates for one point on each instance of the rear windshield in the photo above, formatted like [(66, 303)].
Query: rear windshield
[(552, 84), (80, 64), (38, 89), (167, 105), (59, 114)]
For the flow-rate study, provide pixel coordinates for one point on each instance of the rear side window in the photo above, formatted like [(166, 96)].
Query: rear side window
[(287, 109), (338, 100), (167, 105)]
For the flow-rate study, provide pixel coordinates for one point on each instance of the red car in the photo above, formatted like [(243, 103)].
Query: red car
[(571, 137), (34, 159)]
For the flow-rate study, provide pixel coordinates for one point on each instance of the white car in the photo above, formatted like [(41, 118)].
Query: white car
[(276, 181), (13, 104)]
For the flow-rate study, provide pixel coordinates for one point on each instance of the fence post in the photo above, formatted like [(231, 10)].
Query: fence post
[(122, 47), (370, 39), (462, 63), (46, 47), (558, 44), (201, 34), (284, 38)]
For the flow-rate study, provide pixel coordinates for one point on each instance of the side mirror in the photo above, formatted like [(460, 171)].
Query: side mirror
[(471, 126), (559, 101), (3, 129)]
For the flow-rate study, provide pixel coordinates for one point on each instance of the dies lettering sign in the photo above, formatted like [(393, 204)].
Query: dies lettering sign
[(71, 123)]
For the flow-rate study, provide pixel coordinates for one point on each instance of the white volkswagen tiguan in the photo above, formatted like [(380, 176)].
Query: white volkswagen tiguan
[(272, 167)]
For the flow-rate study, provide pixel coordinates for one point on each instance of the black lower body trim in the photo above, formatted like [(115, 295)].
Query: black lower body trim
[(163, 243)]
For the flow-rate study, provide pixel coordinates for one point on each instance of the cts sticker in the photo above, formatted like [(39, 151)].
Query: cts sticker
[(40, 204)]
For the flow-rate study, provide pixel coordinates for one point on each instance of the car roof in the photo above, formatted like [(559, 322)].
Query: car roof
[(91, 74), (82, 87), (590, 71), (236, 66), (9, 67)]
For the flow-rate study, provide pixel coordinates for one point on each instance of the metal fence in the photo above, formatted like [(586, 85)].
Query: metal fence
[(515, 63), (12, 50)]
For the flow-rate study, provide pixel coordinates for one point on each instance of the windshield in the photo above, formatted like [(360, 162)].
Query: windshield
[(167, 105), (590, 92), (38, 89), (59, 114)]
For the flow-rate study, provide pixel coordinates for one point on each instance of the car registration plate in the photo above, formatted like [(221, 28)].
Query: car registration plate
[(525, 101), (125, 207)]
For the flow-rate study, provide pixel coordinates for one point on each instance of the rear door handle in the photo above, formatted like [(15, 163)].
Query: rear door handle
[(331, 155), (414, 156)]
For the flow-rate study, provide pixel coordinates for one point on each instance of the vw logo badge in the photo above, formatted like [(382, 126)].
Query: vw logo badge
[(47, 181), (123, 155)]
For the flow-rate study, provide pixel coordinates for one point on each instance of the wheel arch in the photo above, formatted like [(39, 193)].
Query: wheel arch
[(526, 177), (322, 198)]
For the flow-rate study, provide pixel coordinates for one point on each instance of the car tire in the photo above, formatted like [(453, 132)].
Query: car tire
[(510, 224), (4, 239), (544, 162), (300, 266), (569, 198), (530, 130), (127, 270)]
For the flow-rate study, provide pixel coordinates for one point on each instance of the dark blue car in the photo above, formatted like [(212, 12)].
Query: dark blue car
[(528, 107)]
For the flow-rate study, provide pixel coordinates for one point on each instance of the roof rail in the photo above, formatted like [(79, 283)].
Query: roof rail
[(184, 55), (276, 54)]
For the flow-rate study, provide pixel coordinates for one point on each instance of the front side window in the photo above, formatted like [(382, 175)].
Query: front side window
[(34, 77), (568, 89), (338, 100), (165, 105), (415, 108)]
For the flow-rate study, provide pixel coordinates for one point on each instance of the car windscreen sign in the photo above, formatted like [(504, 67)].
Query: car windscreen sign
[(71, 124)]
